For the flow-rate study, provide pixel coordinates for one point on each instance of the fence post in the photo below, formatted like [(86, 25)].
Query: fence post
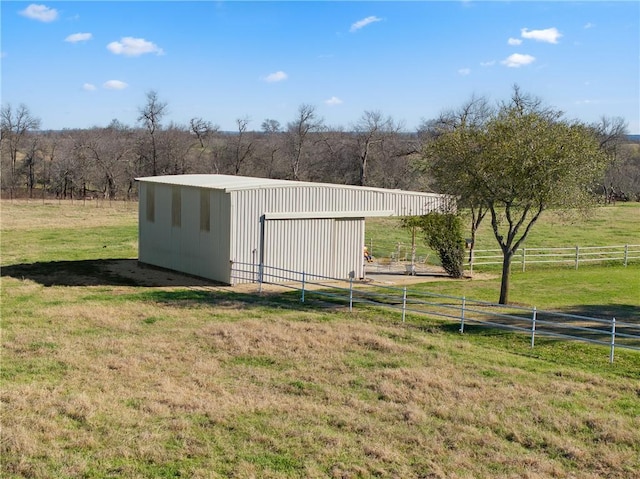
[(577, 256), (464, 303), (533, 326), (524, 255), (613, 339), (404, 303), (350, 294), (253, 265), (303, 283), (260, 276), (626, 254)]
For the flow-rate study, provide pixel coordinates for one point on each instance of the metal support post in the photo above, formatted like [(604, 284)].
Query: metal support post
[(626, 254), (404, 303), (613, 339), (533, 327), (350, 294)]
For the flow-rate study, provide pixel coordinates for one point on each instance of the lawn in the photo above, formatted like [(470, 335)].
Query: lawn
[(103, 378), (603, 226)]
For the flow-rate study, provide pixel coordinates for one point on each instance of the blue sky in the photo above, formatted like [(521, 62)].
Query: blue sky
[(81, 64)]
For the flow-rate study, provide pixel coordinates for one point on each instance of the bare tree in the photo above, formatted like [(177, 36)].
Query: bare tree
[(612, 134), (50, 146), (202, 129), (108, 151), (151, 115), (176, 146), (267, 158), (15, 126), (334, 158), (60, 170), (242, 147), (270, 126), (371, 131), (32, 158), (298, 137)]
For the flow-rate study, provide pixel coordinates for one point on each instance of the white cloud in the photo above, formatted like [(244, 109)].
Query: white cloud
[(549, 35), (586, 102), (464, 71), (518, 60), (89, 87), (276, 77), (514, 41), (78, 37), (490, 63), (334, 100), (589, 25), (114, 85), (363, 23), (41, 13), (133, 47)]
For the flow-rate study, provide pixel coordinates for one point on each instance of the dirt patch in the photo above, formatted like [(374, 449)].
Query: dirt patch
[(146, 275)]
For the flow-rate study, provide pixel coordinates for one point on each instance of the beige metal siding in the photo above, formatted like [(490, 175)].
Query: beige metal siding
[(155, 232), (329, 244), (325, 247), (348, 247), (344, 242), (186, 248)]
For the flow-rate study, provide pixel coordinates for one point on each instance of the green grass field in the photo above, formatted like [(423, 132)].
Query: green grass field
[(604, 226), (102, 377)]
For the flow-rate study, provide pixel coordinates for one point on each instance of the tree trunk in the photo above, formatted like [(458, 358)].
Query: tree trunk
[(506, 274)]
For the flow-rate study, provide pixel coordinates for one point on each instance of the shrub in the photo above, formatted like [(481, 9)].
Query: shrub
[(443, 233)]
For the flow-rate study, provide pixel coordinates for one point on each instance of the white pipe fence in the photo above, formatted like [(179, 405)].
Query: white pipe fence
[(573, 255), (607, 332)]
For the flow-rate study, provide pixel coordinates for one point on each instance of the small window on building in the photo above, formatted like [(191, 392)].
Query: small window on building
[(151, 202), (176, 206), (205, 211)]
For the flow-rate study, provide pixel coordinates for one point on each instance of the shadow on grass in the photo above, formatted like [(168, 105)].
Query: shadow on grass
[(228, 298), (191, 291), (622, 312), (99, 272)]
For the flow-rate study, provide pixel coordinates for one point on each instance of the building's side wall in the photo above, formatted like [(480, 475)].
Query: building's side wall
[(348, 246), (177, 240), (154, 229), (331, 247)]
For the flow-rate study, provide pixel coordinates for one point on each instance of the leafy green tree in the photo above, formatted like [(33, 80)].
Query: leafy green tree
[(524, 159), (443, 233), (459, 133)]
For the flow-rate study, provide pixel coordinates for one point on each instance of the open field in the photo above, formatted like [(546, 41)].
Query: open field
[(166, 376)]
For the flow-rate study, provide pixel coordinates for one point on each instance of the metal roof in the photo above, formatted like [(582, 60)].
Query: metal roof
[(235, 183)]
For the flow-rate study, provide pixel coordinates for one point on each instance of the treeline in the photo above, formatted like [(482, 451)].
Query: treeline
[(104, 161)]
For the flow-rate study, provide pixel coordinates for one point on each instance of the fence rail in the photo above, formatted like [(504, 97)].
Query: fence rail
[(573, 255), (607, 332)]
